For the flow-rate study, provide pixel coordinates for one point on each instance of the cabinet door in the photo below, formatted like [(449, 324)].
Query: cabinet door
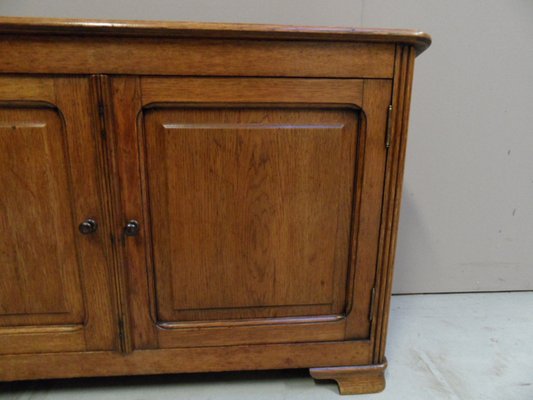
[(259, 203), (55, 283)]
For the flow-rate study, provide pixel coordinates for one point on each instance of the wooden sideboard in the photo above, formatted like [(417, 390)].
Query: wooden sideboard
[(182, 197)]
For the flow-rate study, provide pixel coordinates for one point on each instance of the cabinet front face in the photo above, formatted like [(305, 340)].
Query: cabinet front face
[(54, 292), (249, 208)]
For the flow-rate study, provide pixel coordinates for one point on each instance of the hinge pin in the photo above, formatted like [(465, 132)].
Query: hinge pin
[(389, 127), (372, 302), (121, 335)]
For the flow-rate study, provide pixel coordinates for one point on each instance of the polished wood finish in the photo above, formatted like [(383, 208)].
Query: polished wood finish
[(350, 319), (254, 199), (265, 187), (393, 191), (55, 291), (195, 359), (40, 282), (420, 41), (190, 56)]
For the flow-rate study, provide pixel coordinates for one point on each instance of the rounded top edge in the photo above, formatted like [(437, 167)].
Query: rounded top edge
[(419, 40)]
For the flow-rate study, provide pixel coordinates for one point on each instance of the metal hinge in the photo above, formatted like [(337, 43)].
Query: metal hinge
[(121, 335), (372, 302), (388, 137)]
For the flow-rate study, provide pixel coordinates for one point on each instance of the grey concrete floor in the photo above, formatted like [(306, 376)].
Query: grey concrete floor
[(454, 346)]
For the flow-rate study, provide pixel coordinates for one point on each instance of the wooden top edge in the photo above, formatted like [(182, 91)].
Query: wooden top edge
[(419, 40)]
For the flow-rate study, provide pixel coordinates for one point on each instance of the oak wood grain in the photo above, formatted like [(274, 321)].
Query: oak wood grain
[(160, 56), (323, 91), (357, 379), (347, 93), (419, 40), (40, 273), (124, 96), (51, 275), (42, 339), (250, 210), (368, 203), (196, 359), (253, 158), (77, 103), (392, 201)]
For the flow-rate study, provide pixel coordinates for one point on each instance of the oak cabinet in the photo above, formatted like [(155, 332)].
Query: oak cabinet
[(55, 294), (199, 197), (246, 191)]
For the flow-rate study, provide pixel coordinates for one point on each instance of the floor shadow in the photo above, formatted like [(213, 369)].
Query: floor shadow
[(147, 381)]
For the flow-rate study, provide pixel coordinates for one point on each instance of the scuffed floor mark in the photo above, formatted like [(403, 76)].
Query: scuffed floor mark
[(441, 379)]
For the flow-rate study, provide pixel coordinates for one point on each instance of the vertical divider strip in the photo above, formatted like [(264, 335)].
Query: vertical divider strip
[(101, 84)]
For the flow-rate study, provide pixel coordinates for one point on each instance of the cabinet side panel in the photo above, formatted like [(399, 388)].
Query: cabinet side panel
[(393, 189)]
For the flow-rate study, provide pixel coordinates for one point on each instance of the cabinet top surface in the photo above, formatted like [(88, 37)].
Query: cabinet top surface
[(22, 25)]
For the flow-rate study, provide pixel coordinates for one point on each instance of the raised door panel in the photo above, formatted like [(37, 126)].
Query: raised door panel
[(40, 279), (250, 210), (250, 194), (55, 288)]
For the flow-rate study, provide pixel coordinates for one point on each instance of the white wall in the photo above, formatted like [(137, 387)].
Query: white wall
[(467, 213)]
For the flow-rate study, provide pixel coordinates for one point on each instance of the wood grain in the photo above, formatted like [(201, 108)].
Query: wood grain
[(419, 40), (358, 379), (392, 201), (369, 201), (198, 359), (257, 200), (253, 158), (42, 339), (52, 276), (346, 93), (211, 57), (323, 91), (78, 106), (124, 97), (40, 273)]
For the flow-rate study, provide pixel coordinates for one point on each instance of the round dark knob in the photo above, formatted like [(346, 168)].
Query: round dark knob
[(131, 228), (88, 226)]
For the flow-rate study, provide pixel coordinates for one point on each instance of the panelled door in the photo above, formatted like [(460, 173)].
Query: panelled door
[(55, 283), (245, 198)]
